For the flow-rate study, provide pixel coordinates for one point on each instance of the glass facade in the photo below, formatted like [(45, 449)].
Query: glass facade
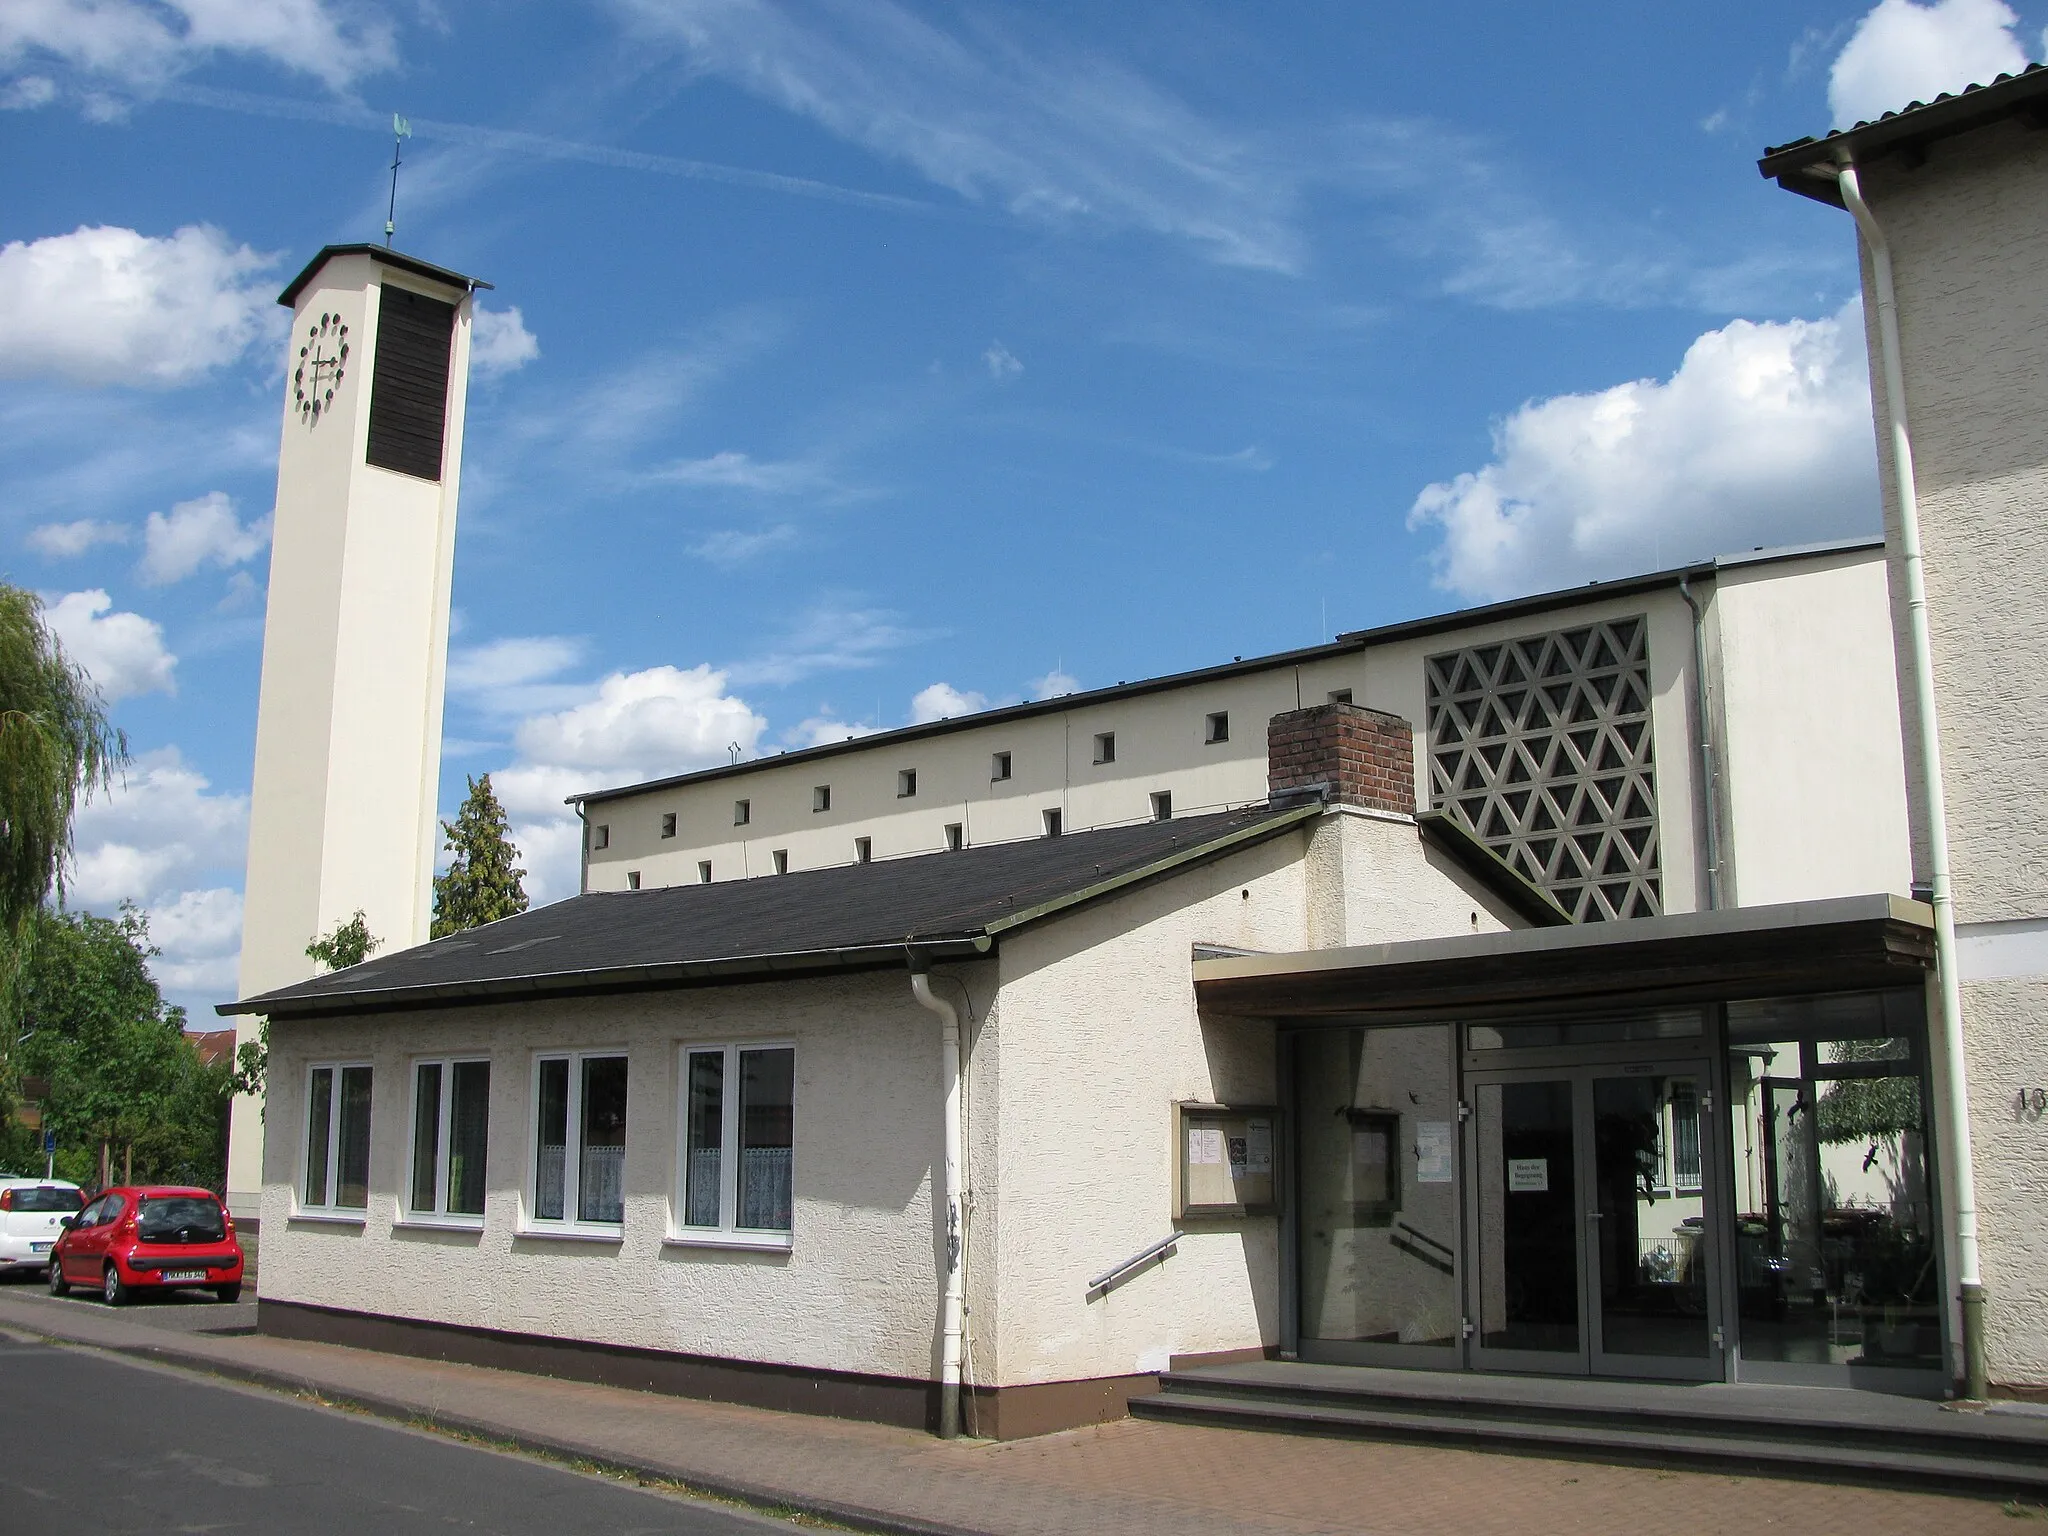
[(1738, 1189)]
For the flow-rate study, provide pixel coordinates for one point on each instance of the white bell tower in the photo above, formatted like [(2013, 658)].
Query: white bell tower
[(343, 800)]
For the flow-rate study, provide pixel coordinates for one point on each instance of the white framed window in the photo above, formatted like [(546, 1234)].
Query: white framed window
[(863, 850), (632, 879), (1105, 747), (703, 871), (956, 836), (781, 858), (451, 1116), (1162, 805), (577, 1178), (1052, 821), (335, 1178), (668, 823), (735, 1179), (821, 798), (998, 767), (601, 836), (742, 812), (1216, 728), (906, 783)]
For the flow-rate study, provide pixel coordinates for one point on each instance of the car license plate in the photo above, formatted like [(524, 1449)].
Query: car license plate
[(39, 1247), (173, 1276)]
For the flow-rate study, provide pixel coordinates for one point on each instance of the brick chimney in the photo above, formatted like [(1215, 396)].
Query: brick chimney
[(1347, 754)]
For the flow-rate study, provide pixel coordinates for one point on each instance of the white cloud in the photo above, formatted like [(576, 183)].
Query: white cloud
[(499, 342), (163, 840), (740, 472), (1001, 362), (515, 659), (1902, 52), (631, 726), (67, 541), (942, 701), (1056, 684), (103, 305), (203, 531), (829, 638), (733, 546), (823, 730), (662, 720), (1761, 437), (1049, 135), (200, 934), (28, 93), (142, 43), (160, 828), (123, 652)]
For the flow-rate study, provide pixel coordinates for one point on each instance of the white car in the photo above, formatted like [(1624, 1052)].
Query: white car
[(32, 1213)]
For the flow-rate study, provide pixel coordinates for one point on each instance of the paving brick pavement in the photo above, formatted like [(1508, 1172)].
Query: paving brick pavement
[(1131, 1477)]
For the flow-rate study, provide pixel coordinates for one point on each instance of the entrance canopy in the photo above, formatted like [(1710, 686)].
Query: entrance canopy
[(1850, 943)]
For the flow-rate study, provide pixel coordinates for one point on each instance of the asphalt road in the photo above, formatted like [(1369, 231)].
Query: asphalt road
[(94, 1443), (176, 1311)]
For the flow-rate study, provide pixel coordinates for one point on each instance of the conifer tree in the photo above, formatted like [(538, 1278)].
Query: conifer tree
[(483, 882)]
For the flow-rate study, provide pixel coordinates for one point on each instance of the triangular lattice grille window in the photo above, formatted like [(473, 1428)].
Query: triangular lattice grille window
[(1521, 764)]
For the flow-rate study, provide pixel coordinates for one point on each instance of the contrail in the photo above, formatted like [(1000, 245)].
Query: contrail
[(535, 145)]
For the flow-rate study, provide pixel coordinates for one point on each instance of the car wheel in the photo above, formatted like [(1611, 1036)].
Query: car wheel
[(114, 1289), (229, 1293), (57, 1285)]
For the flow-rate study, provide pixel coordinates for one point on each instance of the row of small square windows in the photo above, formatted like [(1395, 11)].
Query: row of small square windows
[(864, 847), (1216, 729)]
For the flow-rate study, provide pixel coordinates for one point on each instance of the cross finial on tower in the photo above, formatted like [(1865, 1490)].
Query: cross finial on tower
[(401, 130)]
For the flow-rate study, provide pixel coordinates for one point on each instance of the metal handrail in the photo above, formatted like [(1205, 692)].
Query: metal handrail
[(1110, 1279)]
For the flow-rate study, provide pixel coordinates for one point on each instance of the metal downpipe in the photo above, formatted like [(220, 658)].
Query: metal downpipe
[(1969, 1279), (952, 1302)]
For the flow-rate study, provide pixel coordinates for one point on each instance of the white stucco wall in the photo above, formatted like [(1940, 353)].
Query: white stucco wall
[(1967, 229), (1813, 773), (855, 1292), (1100, 1038)]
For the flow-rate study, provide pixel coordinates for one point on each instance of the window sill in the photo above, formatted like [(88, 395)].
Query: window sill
[(568, 1234), (332, 1218), (754, 1242), (423, 1223)]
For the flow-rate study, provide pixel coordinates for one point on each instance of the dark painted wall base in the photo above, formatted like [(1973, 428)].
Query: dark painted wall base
[(997, 1413)]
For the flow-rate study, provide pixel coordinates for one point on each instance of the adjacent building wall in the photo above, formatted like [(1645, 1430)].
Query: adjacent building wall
[(1813, 772), (1967, 228)]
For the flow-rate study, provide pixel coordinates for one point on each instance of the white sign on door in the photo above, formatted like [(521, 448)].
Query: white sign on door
[(1528, 1175)]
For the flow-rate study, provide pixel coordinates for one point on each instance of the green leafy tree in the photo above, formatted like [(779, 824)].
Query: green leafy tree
[(351, 943), (128, 1092), (483, 882), (55, 747)]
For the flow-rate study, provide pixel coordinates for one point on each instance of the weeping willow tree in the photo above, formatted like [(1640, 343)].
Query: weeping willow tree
[(56, 748)]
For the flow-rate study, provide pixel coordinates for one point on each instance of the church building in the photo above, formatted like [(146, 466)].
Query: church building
[(1554, 987)]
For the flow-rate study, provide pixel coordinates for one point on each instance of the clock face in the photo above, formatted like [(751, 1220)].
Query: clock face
[(323, 356)]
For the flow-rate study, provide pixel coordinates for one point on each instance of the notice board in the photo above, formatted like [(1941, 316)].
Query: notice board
[(1226, 1160)]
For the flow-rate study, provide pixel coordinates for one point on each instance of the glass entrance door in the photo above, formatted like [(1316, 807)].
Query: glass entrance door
[(1589, 1220)]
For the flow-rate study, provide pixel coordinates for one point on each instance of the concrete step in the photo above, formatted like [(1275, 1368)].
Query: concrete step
[(1827, 1417), (1968, 1465)]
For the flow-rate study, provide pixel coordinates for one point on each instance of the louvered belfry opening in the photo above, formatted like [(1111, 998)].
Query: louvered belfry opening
[(1542, 747), (409, 384)]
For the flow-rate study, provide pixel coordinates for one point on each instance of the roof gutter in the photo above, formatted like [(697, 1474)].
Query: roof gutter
[(1969, 1279), (629, 978)]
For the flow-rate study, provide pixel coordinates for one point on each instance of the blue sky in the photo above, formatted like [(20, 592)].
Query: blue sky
[(858, 362)]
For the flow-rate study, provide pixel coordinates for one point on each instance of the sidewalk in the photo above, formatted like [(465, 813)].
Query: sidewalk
[(1132, 1478)]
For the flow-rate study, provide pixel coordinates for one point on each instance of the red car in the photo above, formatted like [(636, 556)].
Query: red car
[(131, 1242)]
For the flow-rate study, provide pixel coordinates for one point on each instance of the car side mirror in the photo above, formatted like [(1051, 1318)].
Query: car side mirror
[(68, 1222)]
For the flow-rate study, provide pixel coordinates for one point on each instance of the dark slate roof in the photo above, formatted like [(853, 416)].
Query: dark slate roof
[(388, 257), (853, 917), (1907, 132)]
